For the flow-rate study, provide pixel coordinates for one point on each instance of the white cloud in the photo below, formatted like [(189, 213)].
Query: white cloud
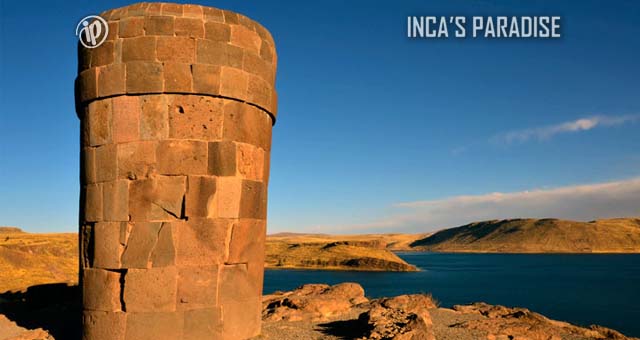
[(547, 132), (577, 202)]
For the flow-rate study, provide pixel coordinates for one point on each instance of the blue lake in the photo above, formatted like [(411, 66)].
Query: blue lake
[(581, 289)]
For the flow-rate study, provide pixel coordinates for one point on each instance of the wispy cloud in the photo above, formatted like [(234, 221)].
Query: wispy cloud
[(547, 132), (576, 202)]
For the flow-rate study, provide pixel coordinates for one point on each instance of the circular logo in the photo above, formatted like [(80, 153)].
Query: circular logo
[(92, 31)]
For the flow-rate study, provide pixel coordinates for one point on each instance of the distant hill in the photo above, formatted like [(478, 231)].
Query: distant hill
[(620, 235)]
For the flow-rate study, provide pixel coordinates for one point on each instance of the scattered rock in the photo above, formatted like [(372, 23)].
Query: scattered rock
[(405, 317), (501, 322), (314, 302), (9, 330)]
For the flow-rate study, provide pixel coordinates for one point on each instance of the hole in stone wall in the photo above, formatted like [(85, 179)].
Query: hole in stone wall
[(179, 109)]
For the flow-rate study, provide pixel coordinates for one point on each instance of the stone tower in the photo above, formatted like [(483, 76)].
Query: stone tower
[(176, 110)]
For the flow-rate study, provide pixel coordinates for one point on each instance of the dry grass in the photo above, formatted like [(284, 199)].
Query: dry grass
[(30, 259)]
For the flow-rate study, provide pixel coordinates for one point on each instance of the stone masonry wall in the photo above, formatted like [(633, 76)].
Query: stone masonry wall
[(176, 111)]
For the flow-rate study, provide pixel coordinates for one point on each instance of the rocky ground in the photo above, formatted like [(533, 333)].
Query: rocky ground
[(317, 311)]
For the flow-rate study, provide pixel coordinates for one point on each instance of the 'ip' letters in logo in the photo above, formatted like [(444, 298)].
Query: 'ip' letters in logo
[(92, 31)]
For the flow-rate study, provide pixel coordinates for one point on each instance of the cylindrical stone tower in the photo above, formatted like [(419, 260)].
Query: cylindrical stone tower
[(176, 110)]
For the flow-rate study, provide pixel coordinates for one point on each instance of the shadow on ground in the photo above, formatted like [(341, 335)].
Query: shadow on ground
[(56, 308), (345, 329)]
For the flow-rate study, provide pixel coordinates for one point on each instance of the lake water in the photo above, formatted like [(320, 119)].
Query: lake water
[(581, 289)]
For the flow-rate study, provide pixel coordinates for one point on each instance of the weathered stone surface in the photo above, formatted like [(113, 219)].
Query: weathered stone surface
[(106, 163), (317, 302), (241, 319), (157, 198), (116, 200), (164, 253), (136, 160), (202, 242), (197, 287), (154, 120), (247, 241), (253, 203), (107, 247), (249, 161), (182, 157), (200, 197), (203, 324), (222, 158), (100, 122), (93, 203), (228, 197), (104, 294), (140, 244), (150, 290), (126, 119), (103, 325), (195, 117), (175, 142), (154, 326)]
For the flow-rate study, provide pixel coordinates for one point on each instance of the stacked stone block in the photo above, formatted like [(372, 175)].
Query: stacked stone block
[(176, 112)]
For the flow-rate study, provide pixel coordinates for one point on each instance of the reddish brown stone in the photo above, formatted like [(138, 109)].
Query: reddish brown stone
[(258, 91), (177, 49), (206, 78), (254, 200), (116, 200), (140, 244), (139, 49), (103, 325), (107, 248), (195, 117), (99, 117), (113, 31), (177, 77), (154, 120), (199, 201), (202, 242), (241, 319), (192, 11), (222, 158), (154, 326), (245, 38), (126, 119), (101, 290), (203, 324), (87, 84), (212, 14), (233, 82), (131, 27), (217, 31), (137, 9), (158, 25), (231, 17), (88, 165), (150, 290), (247, 241), (247, 124), (103, 54), (228, 196), (189, 27), (93, 203), (211, 52), (164, 253), (182, 157), (197, 287), (267, 52), (154, 8), (144, 77), (254, 64), (249, 161), (172, 9), (111, 80), (136, 160), (106, 161), (158, 198)]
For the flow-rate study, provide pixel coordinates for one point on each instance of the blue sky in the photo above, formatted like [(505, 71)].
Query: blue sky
[(376, 132)]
